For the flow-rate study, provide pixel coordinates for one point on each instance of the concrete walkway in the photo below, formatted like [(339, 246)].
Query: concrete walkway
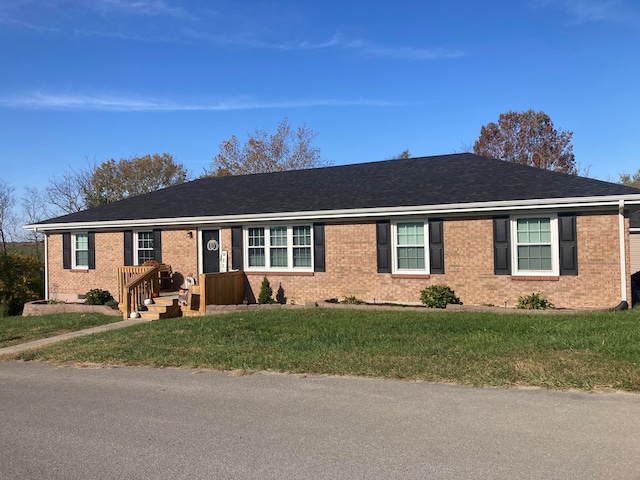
[(79, 333)]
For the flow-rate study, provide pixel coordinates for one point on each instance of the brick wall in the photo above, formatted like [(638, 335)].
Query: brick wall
[(351, 267), (68, 284), (178, 250)]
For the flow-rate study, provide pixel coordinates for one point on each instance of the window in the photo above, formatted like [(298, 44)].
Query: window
[(535, 245), (256, 247), (144, 247), (279, 247), (302, 246), (80, 254), (410, 254)]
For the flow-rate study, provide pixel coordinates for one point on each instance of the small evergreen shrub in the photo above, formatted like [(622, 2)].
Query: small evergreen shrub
[(352, 300), (535, 301), (97, 297), (438, 296), (266, 292)]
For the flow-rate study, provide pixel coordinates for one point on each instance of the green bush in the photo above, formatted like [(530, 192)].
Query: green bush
[(438, 296), (352, 300), (97, 297), (266, 292), (21, 281), (535, 301)]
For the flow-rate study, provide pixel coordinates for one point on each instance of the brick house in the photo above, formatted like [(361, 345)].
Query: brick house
[(382, 231)]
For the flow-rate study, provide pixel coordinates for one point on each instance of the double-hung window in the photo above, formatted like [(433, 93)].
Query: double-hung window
[(410, 252), (279, 247), (144, 247), (80, 250), (535, 245)]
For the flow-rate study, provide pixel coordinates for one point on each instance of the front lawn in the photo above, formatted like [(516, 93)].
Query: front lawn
[(16, 330), (591, 351)]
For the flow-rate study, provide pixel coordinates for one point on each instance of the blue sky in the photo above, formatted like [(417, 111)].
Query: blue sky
[(90, 80)]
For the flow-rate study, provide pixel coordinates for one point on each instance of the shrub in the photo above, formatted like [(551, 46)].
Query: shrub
[(266, 292), (97, 297), (535, 301), (352, 300), (21, 281), (438, 296)]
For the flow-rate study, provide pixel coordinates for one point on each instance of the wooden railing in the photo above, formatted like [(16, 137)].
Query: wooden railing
[(135, 285), (217, 289)]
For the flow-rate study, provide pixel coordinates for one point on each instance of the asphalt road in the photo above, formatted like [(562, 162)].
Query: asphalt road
[(137, 423)]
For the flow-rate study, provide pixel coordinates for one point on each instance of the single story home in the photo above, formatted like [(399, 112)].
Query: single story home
[(381, 231)]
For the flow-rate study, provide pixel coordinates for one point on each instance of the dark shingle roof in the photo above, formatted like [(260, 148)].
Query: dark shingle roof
[(439, 180)]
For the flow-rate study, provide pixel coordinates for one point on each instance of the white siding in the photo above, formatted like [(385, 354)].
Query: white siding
[(634, 244)]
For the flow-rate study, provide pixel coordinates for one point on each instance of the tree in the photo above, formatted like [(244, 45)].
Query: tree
[(7, 219), (630, 180), (35, 208), (65, 192), (528, 138), (402, 155), (287, 149), (114, 180), (21, 281)]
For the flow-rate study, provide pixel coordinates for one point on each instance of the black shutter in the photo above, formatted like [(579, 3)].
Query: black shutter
[(128, 247), (436, 247), (383, 246), (236, 248), (568, 245), (501, 246), (157, 245), (92, 250), (318, 248), (66, 251)]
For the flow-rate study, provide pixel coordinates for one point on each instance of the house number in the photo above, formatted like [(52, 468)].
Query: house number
[(212, 245)]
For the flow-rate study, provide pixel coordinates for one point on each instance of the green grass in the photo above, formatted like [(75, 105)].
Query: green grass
[(16, 330), (591, 351)]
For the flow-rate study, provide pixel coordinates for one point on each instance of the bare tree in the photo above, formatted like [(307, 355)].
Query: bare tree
[(7, 218), (65, 192), (35, 208)]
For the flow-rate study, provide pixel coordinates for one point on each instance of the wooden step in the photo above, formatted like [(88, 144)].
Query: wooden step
[(162, 308)]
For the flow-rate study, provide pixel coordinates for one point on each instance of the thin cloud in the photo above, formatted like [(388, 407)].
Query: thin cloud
[(593, 11), (335, 42), (106, 103), (136, 7)]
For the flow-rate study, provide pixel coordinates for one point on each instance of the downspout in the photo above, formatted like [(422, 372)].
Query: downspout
[(623, 252), (46, 267)]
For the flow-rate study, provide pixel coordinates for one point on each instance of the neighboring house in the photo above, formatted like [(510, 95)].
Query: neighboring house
[(382, 231)]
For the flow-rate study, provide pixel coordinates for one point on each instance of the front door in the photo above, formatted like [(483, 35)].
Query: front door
[(210, 251)]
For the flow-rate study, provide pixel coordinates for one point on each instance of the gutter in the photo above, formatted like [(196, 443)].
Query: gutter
[(610, 201)]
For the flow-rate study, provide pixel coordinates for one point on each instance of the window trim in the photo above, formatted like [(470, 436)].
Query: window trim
[(395, 270), (267, 246), (555, 250), (74, 265), (136, 249)]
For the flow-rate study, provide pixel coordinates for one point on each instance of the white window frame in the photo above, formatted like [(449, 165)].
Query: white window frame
[(555, 255), (74, 264), (136, 249), (267, 245), (394, 248)]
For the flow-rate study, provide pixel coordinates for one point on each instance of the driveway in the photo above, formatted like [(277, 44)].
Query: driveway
[(124, 423)]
